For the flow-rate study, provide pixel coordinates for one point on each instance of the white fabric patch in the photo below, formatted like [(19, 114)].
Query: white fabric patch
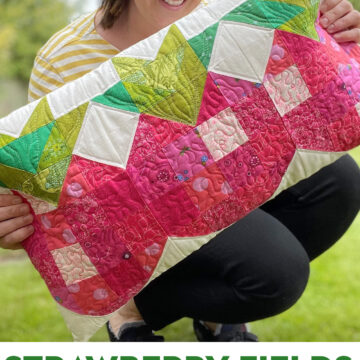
[(74, 264), (222, 134), (107, 135), (304, 164), (190, 26), (14, 123), (248, 45), (146, 50), (82, 90), (83, 327), (178, 248), (287, 89)]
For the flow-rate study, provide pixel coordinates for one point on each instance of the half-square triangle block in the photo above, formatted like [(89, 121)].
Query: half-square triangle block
[(107, 135), (249, 45)]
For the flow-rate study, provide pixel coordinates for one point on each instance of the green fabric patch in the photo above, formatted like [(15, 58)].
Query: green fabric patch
[(54, 151), (304, 23), (117, 97), (249, 12), (13, 178), (24, 153), (278, 12), (40, 117), (203, 44), (57, 174), (70, 124), (265, 13), (169, 87), (6, 139), (2, 185), (47, 184)]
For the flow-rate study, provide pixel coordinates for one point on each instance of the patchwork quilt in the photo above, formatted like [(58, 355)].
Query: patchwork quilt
[(132, 167)]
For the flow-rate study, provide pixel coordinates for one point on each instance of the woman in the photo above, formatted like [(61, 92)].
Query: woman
[(256, 268)]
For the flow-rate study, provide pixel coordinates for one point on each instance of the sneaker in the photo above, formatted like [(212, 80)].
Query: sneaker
[(226, 332), (134, 331)]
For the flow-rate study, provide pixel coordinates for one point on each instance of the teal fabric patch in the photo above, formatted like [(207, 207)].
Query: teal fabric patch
[(203, 44), (25, 153), (117, 97)]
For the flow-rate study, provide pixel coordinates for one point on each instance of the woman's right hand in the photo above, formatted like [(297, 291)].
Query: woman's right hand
[(15, 222)]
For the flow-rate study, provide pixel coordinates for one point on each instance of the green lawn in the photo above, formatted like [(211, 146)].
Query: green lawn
[(327, 311)]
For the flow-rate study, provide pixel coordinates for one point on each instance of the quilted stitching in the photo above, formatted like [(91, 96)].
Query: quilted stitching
[(139, 163)]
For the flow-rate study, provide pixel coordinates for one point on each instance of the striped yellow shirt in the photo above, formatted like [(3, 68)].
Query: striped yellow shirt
[(69, 54)]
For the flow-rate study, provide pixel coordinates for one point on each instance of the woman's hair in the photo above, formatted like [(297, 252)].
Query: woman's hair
[(112, 9)]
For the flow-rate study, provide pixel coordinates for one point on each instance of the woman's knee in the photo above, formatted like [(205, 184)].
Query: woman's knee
[(345, 175), (278, 284)]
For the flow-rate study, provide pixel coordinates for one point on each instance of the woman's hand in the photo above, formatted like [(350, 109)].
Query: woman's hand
[(339, 16), (15, 222)]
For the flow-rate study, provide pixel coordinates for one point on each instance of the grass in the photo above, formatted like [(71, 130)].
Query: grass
[(326, 312)]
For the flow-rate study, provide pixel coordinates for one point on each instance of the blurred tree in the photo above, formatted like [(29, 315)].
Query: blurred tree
[(25, 25)]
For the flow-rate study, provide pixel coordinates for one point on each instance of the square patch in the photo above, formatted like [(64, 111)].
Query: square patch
[(287, 89), (188, 155), (74, 264), (208, 188), (222, 134), (174, 215)]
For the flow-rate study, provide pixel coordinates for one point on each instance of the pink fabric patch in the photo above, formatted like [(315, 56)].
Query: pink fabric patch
[(333, 102), (153, 176), (140, 231), (173, 214), (55, 235), (241, 167), (118, 198), (164, 131), (224, 213), (127, 278), (94, 173), (316, 68), (205, 189), (94, 296), (308, 128), (213, 100), (232, 89), (188, 155), (345, 132), (280, 58), (75, 184), (351, 77), (104, 248), (267, 134)]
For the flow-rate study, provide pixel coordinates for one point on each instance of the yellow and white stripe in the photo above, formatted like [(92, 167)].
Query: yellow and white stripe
[(68, 55)]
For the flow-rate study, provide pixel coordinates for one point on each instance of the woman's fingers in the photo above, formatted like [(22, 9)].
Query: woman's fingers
[(326, 5), (349, 35), (13, 211), (7, 200), (12, 241), (7, 228), (341, 8), (352, 19)]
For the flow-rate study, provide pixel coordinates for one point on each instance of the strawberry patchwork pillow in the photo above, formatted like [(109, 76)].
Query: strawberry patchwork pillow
[(134, 166)]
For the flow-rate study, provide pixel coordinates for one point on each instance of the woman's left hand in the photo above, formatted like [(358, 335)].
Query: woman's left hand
[(339, 16)]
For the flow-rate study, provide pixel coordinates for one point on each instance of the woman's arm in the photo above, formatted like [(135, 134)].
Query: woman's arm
[(341, 19)]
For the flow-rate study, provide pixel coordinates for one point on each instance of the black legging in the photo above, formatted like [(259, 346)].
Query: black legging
[(259, 266)]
